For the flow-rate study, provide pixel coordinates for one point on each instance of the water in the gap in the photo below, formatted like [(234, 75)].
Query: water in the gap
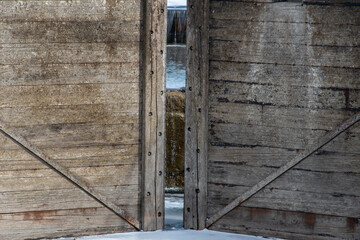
[(174, 205), (176, 49), (175, 79), (176, 66)]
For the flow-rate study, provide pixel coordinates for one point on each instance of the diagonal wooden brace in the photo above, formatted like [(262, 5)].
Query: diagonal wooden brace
[(287, 166), (73, 178)]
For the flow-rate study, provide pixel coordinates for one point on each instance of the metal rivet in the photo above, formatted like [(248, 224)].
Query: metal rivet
[(161, 93), (160, 133), (159, 214), (150, 113), (160, 173), (188, 169), (162, 10), (149, 153), (191, 48), (151, 32), (161, 51), (189, 129), (188, 209), (148, 194), (197, 190), (190, 88), (198, 150), (152, 72), (199, 110)]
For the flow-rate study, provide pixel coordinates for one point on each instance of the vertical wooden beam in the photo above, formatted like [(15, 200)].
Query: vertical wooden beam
[(154, 114), (196, 123)]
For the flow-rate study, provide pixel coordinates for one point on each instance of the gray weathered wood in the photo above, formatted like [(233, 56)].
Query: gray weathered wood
[(196, 119), (154, 115), (82, 184), (287, 166)]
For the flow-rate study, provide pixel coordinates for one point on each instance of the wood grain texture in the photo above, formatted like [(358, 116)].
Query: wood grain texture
[(71, 84), (281, 75), (153, 138), (196, 115)]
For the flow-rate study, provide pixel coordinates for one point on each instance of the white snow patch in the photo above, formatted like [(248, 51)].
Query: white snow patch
[(171, 235), (176, 3)]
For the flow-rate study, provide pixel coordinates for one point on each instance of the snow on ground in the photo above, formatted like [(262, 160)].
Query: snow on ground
[(176, 3), (170, 235)]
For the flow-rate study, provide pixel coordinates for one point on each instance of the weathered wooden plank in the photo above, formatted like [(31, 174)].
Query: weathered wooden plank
[(69, 53), (70, 11), (67, 74), (154, 54), (46, 96), (116, 161), (284, 12), (260, 221), (37, 183), (78, 134), (301, 179), (290, 54), (67, 198), (273, 116), (69, 32), (285, 33), (76, 155), (310, 149), (196, 119), (290, 97), (274, 137), (325, 160), (98, 171), (62, 116), (57, 223), (280, 75)]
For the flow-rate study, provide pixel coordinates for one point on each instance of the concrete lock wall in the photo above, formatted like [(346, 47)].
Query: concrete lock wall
[(74, 77)]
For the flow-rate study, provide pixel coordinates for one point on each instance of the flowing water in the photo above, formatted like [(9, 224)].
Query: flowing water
[(176, 66)]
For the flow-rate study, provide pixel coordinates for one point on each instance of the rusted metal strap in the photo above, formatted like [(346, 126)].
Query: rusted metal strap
[(73, 178), (287, 166)]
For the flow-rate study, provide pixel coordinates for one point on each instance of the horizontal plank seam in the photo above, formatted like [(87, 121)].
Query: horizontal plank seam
[(212, 39), (276, 64), (285, 22)]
